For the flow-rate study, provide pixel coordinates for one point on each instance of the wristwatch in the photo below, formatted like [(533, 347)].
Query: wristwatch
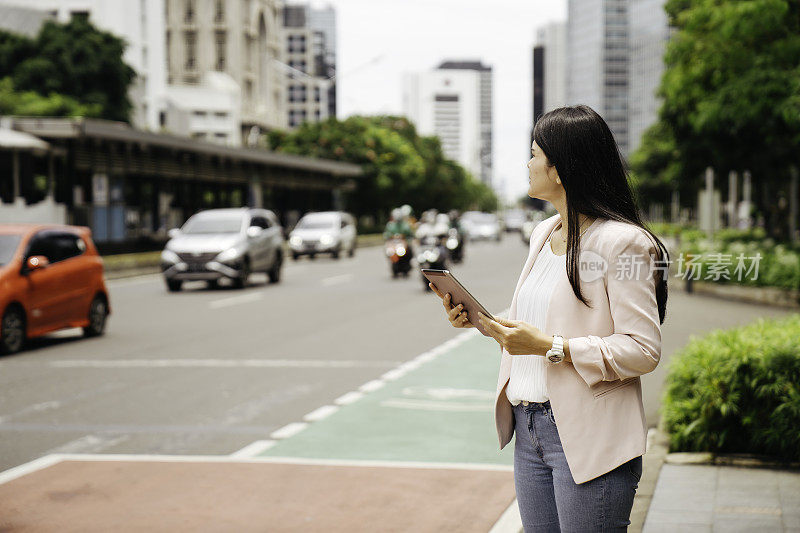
[(556, 353)]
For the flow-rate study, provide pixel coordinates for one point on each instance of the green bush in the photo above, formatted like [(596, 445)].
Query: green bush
[(737, 391), (779, 265)]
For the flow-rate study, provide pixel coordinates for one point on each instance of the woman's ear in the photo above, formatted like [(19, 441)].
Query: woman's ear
[(553, 173)]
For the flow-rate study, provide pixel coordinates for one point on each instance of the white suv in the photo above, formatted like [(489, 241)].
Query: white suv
[(323, 232)]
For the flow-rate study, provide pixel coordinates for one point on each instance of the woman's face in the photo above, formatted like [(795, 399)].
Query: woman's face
[(542, 176)]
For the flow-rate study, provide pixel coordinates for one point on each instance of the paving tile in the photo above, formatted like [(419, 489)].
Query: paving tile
[(689, 476), (670, 528), (789, 480), (791, 520), (677, 499), (731, 475), (753, 497), (684, 517), (737, 524)]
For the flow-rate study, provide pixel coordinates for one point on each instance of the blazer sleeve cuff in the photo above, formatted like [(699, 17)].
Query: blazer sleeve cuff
[(585, 353)]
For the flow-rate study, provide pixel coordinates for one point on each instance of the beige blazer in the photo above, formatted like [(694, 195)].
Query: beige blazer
[(597, 398)]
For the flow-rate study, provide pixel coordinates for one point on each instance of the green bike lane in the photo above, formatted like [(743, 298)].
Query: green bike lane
[(440, 411)]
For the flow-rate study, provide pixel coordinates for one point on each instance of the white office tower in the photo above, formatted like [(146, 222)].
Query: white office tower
[(486, 99), (309, 35), (446, 103), (553, 40), (141, 24), (597, 66), (649, 31)]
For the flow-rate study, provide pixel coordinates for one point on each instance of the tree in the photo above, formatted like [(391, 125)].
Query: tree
[(399, 166), (30, 103), (74, 60), (730, 94)]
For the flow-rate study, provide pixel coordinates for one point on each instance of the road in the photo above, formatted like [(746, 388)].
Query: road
[(211, 371)]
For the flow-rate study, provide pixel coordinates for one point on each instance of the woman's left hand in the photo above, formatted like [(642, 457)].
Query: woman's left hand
[(516, 336)]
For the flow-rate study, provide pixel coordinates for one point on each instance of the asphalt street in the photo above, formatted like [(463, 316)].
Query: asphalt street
[(209, 371)]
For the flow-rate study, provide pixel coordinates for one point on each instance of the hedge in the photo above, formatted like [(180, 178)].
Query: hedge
[(737, 391)]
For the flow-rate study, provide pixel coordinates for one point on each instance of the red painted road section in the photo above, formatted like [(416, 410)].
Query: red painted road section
[(142, 495)]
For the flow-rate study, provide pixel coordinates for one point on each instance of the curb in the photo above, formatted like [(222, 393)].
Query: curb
[(146, 263), (740, 460), (773, 296), (653, 460)]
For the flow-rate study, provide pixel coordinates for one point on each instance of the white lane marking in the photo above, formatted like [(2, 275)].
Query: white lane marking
[(394, 374), (510, 521), (49, 460), (335, 280), (432, 405), (35, 408), (215, 363), (254, 448), (89, 444), (133, 280), (30, 467), (288, 430), (348, 398), (410, 365), (372, 386), (323, 412), (236, 300)]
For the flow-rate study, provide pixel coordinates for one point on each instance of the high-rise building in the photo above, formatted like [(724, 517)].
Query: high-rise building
[(240, 39), (486, 99), (553, 39), (598, 61), (649, 33), (309, 35), (141, 24), (549, 69), (446, 103), (323, 20)]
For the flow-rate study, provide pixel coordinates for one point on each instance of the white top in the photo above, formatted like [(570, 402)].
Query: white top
[(527, 381)]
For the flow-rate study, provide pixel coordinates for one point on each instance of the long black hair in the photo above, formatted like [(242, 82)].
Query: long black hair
[(579, 143)]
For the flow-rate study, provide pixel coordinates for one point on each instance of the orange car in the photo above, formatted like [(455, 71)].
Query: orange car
[(51, 277)]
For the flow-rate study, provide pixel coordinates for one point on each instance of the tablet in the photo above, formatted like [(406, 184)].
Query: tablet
[(445, 283)]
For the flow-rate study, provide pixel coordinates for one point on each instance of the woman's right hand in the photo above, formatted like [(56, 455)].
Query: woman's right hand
[(456, 314)]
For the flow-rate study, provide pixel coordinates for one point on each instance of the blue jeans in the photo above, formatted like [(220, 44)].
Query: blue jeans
[(548, 497)]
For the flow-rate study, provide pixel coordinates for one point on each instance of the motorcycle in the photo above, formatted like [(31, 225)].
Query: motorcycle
[(432, 254), (455, 245), (399, 254)]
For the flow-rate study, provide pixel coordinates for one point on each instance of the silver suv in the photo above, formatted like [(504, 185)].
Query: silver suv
[(331, 232), (224, 243)]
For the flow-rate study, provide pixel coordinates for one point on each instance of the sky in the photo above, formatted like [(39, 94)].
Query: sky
[(416, 35)]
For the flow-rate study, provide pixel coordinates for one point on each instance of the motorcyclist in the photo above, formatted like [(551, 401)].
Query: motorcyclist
[(455, 223), (397, 226)]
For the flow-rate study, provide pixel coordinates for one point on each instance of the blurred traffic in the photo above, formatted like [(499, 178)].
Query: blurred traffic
[(52, 276)]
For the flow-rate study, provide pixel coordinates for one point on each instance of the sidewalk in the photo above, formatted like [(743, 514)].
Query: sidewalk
[(708, 498)]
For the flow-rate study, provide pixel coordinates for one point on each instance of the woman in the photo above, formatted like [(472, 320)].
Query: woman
[(584, 324)]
